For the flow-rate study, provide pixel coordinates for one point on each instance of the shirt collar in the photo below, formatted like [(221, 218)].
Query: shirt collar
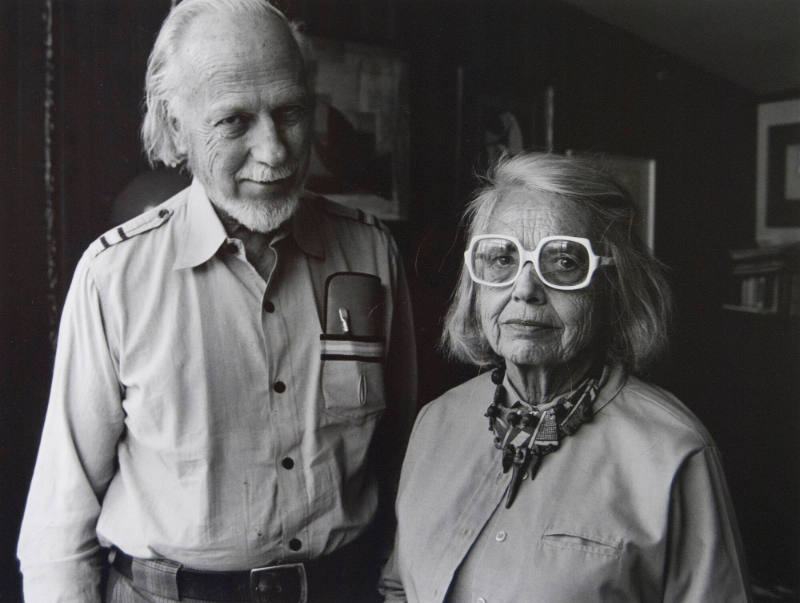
[(204, 232), (617, 377), (614, 379)]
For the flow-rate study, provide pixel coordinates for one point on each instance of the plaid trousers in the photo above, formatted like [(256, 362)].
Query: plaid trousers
[(120, 589)]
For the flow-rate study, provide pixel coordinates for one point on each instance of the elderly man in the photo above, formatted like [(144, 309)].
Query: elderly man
[(224, 359)]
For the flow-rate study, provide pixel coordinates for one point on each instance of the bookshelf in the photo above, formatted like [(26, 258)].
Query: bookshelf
[(765, 280)]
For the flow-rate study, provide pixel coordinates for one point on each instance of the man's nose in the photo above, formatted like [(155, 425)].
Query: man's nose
[(266, 143), (528, 287)]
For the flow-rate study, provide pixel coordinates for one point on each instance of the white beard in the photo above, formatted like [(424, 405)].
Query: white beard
[(260, 216), (256, 215)]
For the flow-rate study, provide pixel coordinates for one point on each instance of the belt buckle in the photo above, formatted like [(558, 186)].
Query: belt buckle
[(285, 583)]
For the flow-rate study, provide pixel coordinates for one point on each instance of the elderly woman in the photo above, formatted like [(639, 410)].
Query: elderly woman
[(560, 475)]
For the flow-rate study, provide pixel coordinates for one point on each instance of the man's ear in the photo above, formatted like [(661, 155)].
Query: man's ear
[(177, 134)]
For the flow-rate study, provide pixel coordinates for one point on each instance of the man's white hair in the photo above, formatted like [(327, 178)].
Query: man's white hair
[(160, 78)]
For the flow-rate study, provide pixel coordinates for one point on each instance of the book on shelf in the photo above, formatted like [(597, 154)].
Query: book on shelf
[(768, 253), (765, 280)]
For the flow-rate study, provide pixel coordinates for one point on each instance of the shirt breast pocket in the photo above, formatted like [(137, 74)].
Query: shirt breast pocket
[(581, 542), (352, 377)]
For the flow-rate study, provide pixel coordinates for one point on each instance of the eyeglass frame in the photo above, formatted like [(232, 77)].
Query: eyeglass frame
[(532, 256)]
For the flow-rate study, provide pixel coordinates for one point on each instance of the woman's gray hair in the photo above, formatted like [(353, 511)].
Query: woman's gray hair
[(636, 294), (160, 78)]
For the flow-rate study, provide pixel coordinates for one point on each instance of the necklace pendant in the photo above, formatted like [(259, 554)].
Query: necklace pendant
[(513, 485), (508, 458), (524, 462), (533, 467), (525, 434), (521, 460)]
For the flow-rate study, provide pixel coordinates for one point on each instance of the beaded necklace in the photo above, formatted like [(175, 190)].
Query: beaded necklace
[(525, 433)]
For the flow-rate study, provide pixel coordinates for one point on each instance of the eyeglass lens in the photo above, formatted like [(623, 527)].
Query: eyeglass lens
[(564, 262), (495, 260), (561, 262)]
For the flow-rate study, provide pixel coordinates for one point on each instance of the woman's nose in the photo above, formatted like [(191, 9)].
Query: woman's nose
[(266, 144), (528, 287)]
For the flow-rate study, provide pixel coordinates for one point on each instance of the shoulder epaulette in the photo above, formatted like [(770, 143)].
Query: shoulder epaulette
[(351, 213), (136, 226)]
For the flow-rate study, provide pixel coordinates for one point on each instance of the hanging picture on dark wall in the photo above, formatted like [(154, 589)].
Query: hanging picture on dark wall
[(360, 151), (778, 173), (638, 176), (783, 175)]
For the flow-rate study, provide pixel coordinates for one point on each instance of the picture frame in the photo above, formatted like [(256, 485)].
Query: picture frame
[(778, 173), (638, 176), (360, 151)]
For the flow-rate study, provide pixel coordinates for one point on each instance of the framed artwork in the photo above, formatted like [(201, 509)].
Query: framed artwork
[(360, 151), (778, 173), (638, 176)]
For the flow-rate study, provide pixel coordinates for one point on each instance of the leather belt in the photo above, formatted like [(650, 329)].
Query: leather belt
[(292, 582)]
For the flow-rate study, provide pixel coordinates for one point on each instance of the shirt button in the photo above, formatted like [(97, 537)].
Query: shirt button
[(279, 386), (287, 463), (295, 544), (268, 306), (500, 536)]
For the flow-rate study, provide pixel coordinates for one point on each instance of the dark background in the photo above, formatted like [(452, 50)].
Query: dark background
[(614, 93)]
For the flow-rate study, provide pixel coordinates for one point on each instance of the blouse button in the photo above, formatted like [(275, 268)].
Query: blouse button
[(500, 536), (268, 306), (287, 463), (295, 544), (279, 386)]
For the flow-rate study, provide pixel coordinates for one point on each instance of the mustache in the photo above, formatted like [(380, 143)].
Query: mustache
[(268, 174)]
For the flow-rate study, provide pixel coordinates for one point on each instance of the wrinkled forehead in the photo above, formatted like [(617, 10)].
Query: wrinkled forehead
[(238, 41), (530, 216)]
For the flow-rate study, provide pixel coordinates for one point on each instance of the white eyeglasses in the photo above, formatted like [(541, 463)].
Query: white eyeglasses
[(561, 262)]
